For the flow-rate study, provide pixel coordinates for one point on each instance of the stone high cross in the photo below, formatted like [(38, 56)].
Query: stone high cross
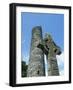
[(49, 48)]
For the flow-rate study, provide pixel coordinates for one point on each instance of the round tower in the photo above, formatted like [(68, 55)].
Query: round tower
[(36, 65)]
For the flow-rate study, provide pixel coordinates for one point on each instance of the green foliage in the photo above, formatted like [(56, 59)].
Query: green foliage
[(24, 69)]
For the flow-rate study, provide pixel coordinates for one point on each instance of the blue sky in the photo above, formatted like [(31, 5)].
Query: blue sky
[(50, 23)]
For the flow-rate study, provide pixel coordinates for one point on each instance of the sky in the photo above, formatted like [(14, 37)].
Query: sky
[(50, 23)]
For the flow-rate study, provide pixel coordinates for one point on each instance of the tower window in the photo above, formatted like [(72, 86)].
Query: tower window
[(38, 72)]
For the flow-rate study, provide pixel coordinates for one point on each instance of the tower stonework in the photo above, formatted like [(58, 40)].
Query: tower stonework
[(36, 66)]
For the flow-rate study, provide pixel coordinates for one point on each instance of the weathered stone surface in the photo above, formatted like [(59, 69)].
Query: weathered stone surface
[(51, 50), (36, 65), (39, 47), (51, 57)]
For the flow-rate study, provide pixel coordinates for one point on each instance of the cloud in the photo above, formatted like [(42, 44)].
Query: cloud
[(62, 72), (60, 60), (46, 66)]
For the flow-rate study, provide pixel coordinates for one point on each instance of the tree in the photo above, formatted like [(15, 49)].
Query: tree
[(24, 69)]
